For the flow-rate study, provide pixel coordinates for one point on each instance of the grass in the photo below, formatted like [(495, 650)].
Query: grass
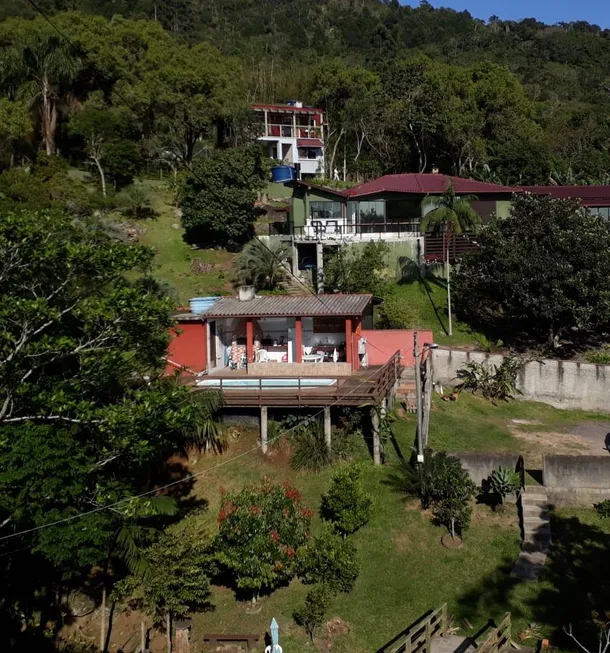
[(405, 570), (429, 297), (174, 257), (475, 424)]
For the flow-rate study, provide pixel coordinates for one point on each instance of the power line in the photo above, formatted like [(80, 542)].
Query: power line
[(186, 478)]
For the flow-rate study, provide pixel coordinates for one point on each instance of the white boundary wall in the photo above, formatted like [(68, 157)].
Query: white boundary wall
[(563, 384)]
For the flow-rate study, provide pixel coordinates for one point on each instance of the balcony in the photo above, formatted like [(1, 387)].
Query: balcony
[(340, 229), (276, 130)]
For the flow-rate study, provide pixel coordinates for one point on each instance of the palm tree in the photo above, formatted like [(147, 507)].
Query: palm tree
[(453, 215), (41, 69), (262, 265), (133, 533)]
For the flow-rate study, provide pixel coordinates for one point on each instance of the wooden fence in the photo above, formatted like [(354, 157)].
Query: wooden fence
[(499, 639), (418, 637)]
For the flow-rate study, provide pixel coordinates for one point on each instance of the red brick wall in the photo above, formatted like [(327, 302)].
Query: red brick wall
[(188, 347), (382, 345)]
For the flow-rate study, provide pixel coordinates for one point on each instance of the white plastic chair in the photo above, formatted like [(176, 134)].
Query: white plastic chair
[(335, 355), (307, 350), (262, 356)]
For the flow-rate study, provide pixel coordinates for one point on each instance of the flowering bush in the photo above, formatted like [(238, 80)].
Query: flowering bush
[(260, 530)]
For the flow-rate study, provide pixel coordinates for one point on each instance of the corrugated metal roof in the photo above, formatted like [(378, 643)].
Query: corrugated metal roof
[(309, 142), (285, 108), (424, 184), (588, 195), (290, 306)]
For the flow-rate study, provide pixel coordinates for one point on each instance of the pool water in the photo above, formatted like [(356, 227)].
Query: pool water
[(265, 383)]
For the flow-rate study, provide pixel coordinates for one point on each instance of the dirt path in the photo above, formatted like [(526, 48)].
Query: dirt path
[(585, 438)]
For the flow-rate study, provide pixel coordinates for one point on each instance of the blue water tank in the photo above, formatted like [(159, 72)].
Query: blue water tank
[(200, 305), (282, 174)]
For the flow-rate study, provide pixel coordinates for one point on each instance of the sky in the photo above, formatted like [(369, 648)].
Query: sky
[(547, 11)]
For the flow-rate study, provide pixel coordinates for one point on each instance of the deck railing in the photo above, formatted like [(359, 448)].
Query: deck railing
[(340, 228), (418, 637), (498, 640)]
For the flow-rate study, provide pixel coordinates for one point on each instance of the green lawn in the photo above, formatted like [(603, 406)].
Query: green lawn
[(405, 570), (429, 297), (174, 257)]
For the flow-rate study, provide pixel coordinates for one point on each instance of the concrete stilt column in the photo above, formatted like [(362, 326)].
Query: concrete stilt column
[(320, 266), (327, 428), (264, 429), (295, 260), (376, 438)]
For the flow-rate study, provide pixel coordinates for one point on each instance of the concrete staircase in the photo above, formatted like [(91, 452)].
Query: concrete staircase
[(405, 393), (293, 287), (536, 530)]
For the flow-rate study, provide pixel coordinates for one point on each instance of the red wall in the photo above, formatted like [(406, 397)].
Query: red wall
[(188, 347), (382, 345)]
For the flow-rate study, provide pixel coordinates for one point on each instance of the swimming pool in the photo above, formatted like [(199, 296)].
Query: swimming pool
[(265, 383)]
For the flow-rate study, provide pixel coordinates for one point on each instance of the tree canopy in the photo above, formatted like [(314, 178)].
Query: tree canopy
[(539, 277)]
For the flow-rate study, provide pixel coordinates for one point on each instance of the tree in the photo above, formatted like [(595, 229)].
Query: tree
[(260, 531), (15, 125), (104, 132), (311, 615), (86, 415), (329, 559), (451, 492), (538, 278), (262, 265), (218, 197), (41, 66), (177, 577), (346, 506), (453, 215), (358, 270)]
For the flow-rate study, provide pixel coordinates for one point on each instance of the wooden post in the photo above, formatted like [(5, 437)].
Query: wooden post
[(444, 620), (264, 429), (376, 439), (348, 340), (428, 646), (250, 341), (327, 428), (142, 637), (298, 339)]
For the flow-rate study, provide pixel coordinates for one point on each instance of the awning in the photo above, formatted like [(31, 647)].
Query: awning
[(309, 142)]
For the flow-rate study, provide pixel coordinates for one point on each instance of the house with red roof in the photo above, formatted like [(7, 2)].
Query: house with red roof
[(292, 134), (389, 208)]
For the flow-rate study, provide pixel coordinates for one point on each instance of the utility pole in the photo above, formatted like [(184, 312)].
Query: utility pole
[(418, 397), (448, 275)]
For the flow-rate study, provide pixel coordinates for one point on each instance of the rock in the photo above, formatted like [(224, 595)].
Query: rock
[(79, 604), (175, 226)]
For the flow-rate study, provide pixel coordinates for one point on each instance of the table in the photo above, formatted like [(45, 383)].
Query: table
[(277, 356), (313, 358)]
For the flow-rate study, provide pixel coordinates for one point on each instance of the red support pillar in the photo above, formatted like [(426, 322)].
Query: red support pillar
[(250, 340), (355, 338), (298, 340), (205, 345), (348, 340)]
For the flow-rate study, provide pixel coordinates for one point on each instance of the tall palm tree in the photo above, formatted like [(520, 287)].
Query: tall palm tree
[(262, 265), (453, 215), (42, 69)]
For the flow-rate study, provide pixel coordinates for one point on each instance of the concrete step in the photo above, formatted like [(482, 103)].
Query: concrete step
[(535, 491), (535, 500), (531, 526), (535, 510)]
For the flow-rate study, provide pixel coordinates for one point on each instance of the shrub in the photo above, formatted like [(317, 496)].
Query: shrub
[(603, 508), (260, 530), (417, 479), (503, 481), (310, 449), (134, 202), (329, 559), (451, 491), (599, 356), (492, 381), (311, 615), (346, 505), (397, 313)]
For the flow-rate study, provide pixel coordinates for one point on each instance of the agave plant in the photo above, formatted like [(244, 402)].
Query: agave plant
[(503, 481)]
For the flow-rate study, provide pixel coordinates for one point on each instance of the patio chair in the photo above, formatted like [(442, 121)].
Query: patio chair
[(335, 355), (307, 350), (262, 356)]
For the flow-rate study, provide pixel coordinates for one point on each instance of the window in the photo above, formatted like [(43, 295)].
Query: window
[(311, 153), (325, 210), (601, 211), (371, 212)]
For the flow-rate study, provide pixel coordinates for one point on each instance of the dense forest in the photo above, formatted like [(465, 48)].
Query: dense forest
[(404, 88)]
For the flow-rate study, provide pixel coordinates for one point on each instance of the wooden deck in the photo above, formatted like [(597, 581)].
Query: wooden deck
[(365, 387)]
